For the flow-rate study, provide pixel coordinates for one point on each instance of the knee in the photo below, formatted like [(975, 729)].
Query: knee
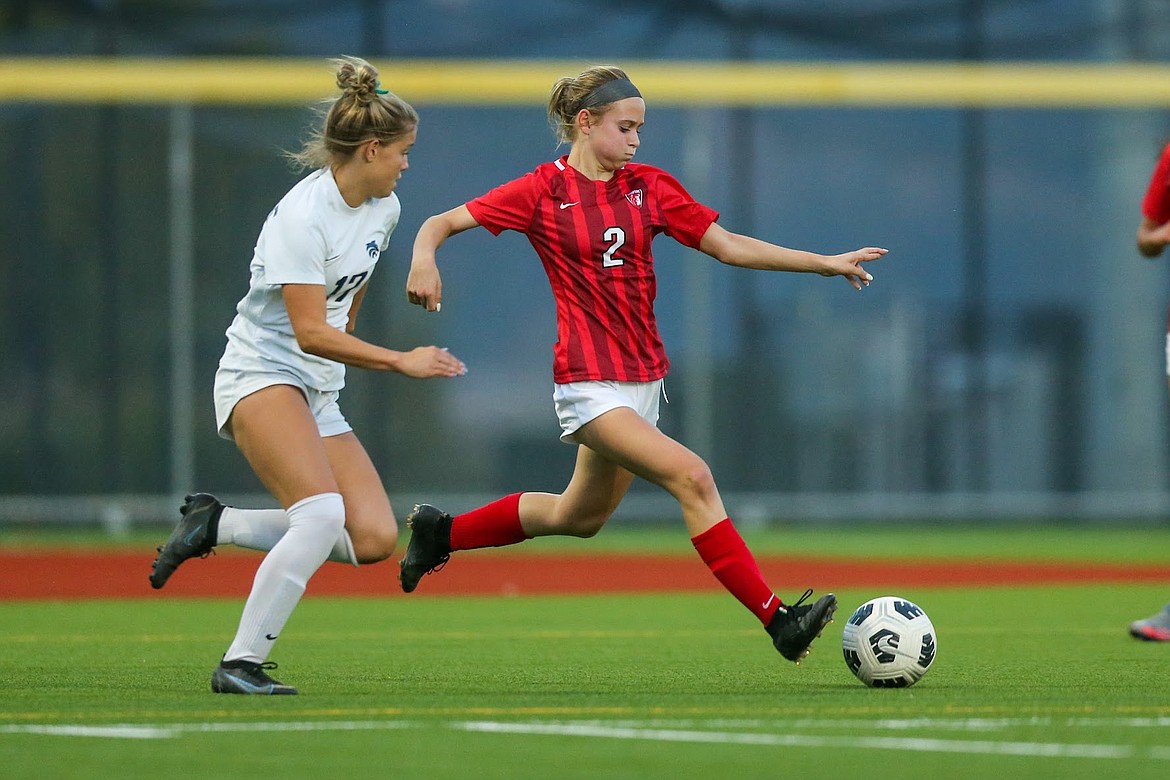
[(321, 515), (375, 545), (696, 482)]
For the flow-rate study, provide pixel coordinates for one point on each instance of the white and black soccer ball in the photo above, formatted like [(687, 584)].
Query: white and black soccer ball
[(889, 642)]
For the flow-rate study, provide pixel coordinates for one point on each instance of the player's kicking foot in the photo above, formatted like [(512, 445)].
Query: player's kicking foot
[(794, 626), (194, 536), (248, 677), (1152, 629), (429, 547)]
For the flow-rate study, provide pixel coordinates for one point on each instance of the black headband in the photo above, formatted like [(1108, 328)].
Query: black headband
[(610, 92)]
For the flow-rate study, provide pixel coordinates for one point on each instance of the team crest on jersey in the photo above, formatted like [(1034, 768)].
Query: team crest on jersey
[(372, 249), (635, 197)]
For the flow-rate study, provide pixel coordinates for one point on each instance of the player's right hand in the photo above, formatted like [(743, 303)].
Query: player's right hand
[(424, 287)]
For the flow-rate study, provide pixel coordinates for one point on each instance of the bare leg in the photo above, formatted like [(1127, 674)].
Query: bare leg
[(622, 437)]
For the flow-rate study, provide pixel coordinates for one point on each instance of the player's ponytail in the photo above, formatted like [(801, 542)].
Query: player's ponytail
[(363, 111)]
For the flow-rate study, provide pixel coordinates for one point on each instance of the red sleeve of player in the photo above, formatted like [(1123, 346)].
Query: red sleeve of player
[(507, 207), (686, 219), (1156, 203)]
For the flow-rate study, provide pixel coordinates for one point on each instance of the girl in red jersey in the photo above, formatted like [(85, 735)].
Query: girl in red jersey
[(1153, 235), (591, 216)]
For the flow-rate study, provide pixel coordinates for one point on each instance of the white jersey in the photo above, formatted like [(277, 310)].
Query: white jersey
[(311, 237)]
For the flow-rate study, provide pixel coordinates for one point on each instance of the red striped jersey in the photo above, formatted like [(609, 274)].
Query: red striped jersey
[(593, 238)]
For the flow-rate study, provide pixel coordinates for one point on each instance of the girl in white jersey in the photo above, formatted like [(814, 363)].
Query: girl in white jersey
[(277, 386)]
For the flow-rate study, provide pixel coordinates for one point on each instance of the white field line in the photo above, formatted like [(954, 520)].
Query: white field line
[(119, 731), (734, 732), (913, 744), (138, 731), (890, 724)]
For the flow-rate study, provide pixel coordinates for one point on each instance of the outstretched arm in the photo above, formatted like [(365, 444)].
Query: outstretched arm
[(747, 252), (423, 285)]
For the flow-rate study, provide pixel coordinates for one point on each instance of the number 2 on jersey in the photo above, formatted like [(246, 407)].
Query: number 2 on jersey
[(617, 239)]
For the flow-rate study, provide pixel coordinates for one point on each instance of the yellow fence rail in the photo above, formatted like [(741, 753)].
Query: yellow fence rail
[(278, 81)]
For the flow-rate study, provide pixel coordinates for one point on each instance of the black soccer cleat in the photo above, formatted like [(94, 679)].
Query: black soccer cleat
[(248, 677), (194, 536), (794, 626), (429, 547)]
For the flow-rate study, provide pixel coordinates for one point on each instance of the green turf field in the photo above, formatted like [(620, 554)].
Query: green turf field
[(1036, 682)]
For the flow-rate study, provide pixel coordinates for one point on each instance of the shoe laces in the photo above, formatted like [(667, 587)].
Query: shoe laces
[(439, 566), (800, 601), (260, 670)]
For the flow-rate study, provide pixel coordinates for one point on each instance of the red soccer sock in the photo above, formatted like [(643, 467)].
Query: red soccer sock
[(493, 525), (723, 550)]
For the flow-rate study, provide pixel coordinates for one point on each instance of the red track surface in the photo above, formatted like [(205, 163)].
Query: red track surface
[(81, 575)]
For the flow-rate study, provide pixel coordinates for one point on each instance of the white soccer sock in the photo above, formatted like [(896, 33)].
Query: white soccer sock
[(314, 525), (261, 529), (255, 529)]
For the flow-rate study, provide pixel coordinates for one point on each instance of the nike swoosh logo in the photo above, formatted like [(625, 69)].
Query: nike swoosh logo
[(270, 637), (190, 537), (240, 681), (331, 259), (768, 603), (567, 205)]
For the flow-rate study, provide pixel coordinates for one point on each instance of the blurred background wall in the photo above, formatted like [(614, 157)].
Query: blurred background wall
[(1007, 361)]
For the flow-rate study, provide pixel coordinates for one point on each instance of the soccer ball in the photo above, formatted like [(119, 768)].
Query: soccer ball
[(889, 642)]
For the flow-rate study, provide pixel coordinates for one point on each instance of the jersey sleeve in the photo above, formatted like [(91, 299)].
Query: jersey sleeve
[(686, 219), (1156, 203), (507, 207), (292, 249)]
